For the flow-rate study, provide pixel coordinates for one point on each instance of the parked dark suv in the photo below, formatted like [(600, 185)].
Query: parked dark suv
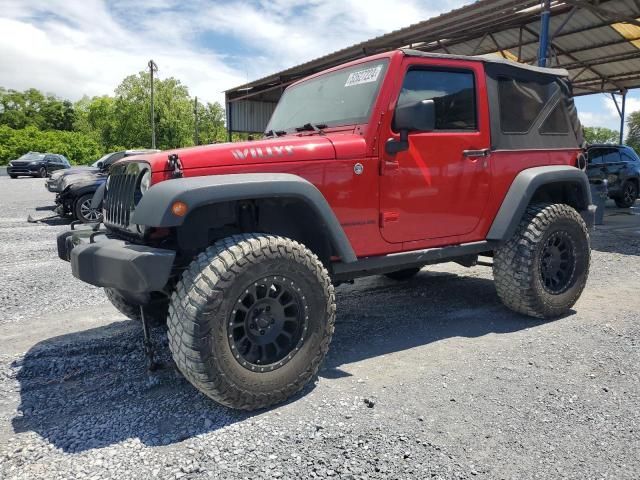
[(35, 164), (77, 189), (55, 181), (620, 166)]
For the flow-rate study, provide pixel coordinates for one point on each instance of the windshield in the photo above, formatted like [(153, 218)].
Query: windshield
[(102, 159), (32, 157), (343, 97)]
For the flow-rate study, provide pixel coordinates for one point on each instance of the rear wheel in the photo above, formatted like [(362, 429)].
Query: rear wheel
[(542, 270), (155, 313), (405, 274), (628, 196), (82, 210), (251, 320)]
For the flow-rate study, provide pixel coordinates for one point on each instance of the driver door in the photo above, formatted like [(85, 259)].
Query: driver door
[(439, 187)]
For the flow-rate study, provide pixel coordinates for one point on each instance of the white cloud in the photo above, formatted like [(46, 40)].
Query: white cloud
[(72, 48), (606, 113)]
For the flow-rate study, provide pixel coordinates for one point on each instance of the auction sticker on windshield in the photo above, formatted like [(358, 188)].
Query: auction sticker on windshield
[(367, 75)]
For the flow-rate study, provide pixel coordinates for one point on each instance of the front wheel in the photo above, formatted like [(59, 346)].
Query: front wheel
[(13, 176), (628, 196), (42, 173), (83, 211), (542, 270), (251, 320)]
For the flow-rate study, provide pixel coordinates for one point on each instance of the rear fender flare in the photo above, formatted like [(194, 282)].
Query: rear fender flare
[(524, 187)]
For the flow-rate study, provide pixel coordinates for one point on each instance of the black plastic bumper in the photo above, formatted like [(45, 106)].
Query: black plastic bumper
[(114, 263)]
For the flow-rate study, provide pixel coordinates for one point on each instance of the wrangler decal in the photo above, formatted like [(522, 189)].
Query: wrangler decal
[(258, 152)]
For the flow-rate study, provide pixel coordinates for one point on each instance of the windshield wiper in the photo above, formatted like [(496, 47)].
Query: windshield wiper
[(277, 133), (307, 127)]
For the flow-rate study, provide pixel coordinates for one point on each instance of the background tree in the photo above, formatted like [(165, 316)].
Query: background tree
[(601, 135), (90, 127), (633, 135)]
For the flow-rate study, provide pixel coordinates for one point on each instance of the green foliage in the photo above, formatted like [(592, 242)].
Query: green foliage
[(601, 135), (76, 146), (84, 131), (633, 137)]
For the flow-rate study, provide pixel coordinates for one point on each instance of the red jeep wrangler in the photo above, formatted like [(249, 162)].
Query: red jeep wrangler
[(379, 166)]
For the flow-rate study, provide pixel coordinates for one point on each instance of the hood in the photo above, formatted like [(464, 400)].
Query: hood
[(275, 150), (72, 171), (84, 178)]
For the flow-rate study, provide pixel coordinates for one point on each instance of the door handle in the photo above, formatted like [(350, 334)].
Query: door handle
[(484, 153)]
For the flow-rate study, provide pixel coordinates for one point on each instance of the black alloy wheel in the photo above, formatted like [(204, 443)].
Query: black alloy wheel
[(557, 262), (629, 195), (42, 173), (267, 325), (84, 212)]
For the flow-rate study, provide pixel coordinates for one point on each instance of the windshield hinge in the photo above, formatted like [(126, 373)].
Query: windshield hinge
[(176, 165)]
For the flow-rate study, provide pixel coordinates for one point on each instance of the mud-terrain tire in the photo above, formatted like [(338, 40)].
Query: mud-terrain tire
[(401, 275), (542, 270), (628, 196), (82, 210), (219, 310), (156, 314)]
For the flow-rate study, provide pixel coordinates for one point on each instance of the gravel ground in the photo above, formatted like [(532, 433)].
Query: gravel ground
[(431, 378)]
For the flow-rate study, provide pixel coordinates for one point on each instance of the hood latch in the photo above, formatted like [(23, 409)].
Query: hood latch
[(176, 165)]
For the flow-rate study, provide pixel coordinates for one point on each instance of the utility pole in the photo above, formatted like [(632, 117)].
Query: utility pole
[(152, 69), (195, 112)]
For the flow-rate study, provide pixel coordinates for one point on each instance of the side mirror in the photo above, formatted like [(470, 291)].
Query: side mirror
[(419, 116), (100, 165)]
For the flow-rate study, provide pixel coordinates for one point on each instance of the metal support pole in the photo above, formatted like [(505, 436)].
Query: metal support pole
[(622, 113), (543, 46), (195, 113), (229, 121), (152, 68)]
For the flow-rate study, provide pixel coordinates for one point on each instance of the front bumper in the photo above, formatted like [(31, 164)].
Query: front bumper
[(110, 262), (22, 170), (52, 185)]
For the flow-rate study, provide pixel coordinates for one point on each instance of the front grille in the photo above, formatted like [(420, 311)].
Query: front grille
[(122, 194)]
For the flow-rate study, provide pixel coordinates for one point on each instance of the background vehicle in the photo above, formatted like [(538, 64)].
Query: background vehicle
[(77, 188), (35, 164), (620, 166), (379, 166)]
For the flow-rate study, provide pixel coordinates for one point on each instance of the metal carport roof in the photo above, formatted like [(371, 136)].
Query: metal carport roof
[(598, 42)]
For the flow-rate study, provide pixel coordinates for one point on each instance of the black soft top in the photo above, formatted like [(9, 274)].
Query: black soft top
[(530, 107)]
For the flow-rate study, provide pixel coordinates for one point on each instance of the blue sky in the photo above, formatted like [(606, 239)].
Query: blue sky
[(77, 47)]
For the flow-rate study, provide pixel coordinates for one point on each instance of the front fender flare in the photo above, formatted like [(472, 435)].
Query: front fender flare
[(154, 209), (524, 187)]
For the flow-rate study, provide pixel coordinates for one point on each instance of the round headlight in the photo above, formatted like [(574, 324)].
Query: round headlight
[(145, 182)]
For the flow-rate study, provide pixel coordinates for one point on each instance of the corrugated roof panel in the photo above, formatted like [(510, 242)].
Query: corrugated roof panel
[(593, 40), (629, 32)]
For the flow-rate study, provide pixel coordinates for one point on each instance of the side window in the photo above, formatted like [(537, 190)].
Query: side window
[(628, 157), (556, 122), (595, 156), (453, 93), (521, 102), (611, 155), (50, 158)]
